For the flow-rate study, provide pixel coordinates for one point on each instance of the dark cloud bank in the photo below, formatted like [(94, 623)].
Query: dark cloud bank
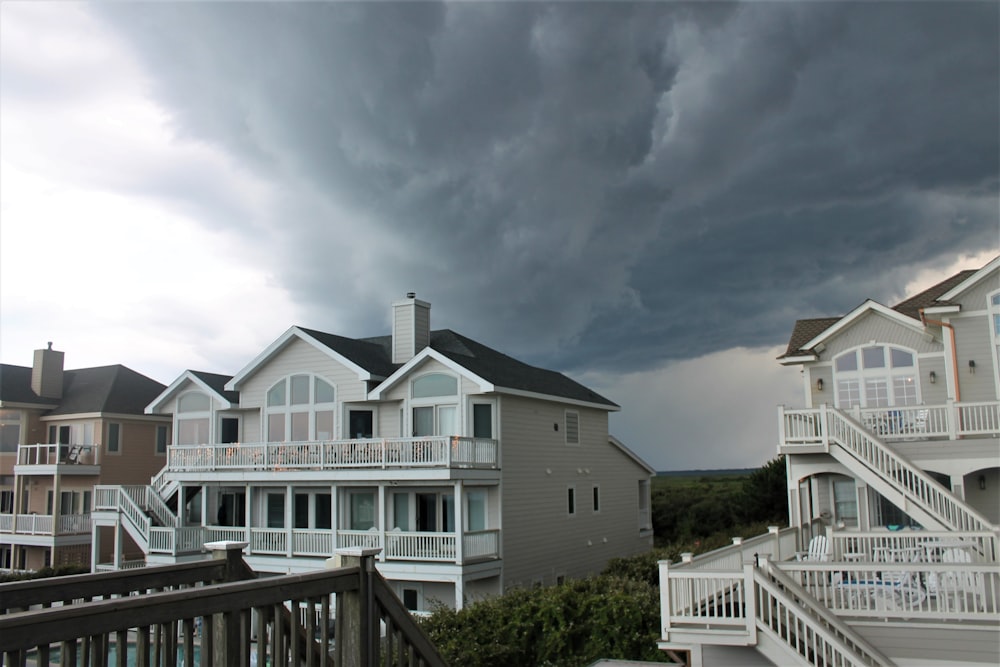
[(592, 185)]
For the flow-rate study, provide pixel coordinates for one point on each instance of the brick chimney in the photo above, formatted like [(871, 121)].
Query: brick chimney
[(411, 328), (47, 373)]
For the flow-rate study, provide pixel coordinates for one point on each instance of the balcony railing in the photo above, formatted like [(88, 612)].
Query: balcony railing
[(910, 422), (53, 454), (302, 542), (45, 524), (380, 453)]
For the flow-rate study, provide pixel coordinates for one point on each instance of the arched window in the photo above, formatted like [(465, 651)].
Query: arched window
[(193, 418), (300, 408), (876, 376)]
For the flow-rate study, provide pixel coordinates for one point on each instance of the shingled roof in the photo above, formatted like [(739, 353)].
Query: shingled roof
[(806, 330), (104, 389), (374, 355), (217, 383)]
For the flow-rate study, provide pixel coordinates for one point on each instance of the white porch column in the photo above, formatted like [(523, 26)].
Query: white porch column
[(334, 516), (957, 483), (864, 514), (246, 515), (95, 545), (383, 520), (117, 560), (459, 592), (289, 500), (56, 503)]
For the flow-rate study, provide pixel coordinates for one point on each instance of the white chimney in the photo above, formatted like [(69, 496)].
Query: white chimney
[(411, 327), (47, 373)]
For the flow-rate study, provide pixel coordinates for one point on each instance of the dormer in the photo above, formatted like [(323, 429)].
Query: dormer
[(411, 328)]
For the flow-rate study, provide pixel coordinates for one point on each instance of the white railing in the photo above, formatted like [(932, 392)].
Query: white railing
[(52, 454), (825, 425), (45, 524), (6, 523), (789, 616), (73, 524), (703, 600), (903, 590), (430, 452), (312, 542), (864, 546), (268, 541), (365, 539), (481, 544), (33, 524), (226, 533), (106, 498), (137, 518), (776, 543), (162, 511), (420, 546)]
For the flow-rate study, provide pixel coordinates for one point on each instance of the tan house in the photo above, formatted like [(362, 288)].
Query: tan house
[(62, 432), (893, 470), (471, 471)]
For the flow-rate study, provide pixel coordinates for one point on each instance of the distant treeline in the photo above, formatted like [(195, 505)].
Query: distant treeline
[(705, 473)]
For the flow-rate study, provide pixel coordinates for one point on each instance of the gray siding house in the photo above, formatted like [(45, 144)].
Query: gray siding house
[(471, 471)]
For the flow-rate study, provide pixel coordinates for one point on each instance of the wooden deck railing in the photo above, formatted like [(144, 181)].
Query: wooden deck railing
[(209, 613)]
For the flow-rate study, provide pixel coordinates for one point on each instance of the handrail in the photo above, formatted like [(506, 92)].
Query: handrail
[(128, 508), (157, 506), (913, 482), (815, 631)]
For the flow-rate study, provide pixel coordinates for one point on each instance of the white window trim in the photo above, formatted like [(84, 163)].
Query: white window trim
[(888, 373), (311, 408)]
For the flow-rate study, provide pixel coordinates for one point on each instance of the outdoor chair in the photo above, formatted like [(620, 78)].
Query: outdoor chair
[(819, 550)]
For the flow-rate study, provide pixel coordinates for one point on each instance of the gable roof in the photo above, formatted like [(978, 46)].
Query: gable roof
[(104, 389), (211, 382), (808, 333)]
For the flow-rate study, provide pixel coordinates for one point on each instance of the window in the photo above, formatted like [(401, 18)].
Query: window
[(482, 420), (432, 415), (300, 408), (401, 511), (161, 439), (194, 411), (475, 509), (10, 430), (876, 376), (434, 384), (572, 427), (411, 597), (597, 499), (571, 501), (362, 508), (114, 438), (7, 501), (845, 501), (275, 510), (312, 510)]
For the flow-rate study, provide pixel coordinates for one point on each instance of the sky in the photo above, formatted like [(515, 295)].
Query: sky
[(644, 196)]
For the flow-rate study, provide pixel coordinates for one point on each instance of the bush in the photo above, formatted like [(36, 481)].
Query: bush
[(45, 572)]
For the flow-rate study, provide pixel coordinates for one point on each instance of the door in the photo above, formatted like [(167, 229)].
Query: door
[(360, 424)]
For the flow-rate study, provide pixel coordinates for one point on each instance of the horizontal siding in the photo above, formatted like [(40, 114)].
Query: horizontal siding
[(974, 343), (137, 461), (953, 645), (540, 540), (977, 297), (878, 327)]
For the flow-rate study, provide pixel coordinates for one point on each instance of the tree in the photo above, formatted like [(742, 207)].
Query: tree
[(764, 495)]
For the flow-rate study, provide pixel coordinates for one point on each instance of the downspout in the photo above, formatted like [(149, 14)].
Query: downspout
[(954, 350)]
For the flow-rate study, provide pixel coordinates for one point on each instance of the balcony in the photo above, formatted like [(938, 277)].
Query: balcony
[(803, 428), (45, 524), (320, 543), (437, 452), (43, 458)]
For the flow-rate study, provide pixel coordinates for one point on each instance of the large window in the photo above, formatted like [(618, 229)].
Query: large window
[(193, 414), (300, 408), (10, 430), (435, 409), (876, 376), (475, 509), (845, 501), (362, 509)]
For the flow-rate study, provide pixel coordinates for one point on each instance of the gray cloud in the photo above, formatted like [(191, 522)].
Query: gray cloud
[(589, 185)]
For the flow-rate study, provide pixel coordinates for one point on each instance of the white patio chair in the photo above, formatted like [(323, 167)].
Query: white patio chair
[(960, 583), (819, 550)]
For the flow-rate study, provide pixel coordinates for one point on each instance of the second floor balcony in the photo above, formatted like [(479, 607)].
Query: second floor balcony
[(81, 459), (45, 524), (445, 452)]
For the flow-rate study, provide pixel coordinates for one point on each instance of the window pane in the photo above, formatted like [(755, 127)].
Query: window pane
[(324, 425), (114, 437), (161, 439), (192, 431), (435, 384), (476, 509), (482, 420), (597, 499), (423, 422), (448, 501), (324, 391), (900, 358), (571, 500), (193, 402), (873, 357), (276, 428), (845, 500), (362, 511), (10, 430), (996, 324), (300, 390), (446, 421), (401, 511), (995, 299), (300, 426), (876, 393), (275, 510), (847, 362), (301, 510), (904, 390), (276, 395), (323, 515)]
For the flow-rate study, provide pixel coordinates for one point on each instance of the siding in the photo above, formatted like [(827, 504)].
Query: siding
[(973, 336), (877, 327), (977, 297), (137, 461), (540, 541)]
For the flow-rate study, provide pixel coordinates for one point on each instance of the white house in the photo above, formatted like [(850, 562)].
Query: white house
[(893, 470), (472, 471)]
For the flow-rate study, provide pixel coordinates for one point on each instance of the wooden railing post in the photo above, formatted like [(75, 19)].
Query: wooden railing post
[(750, 597), (357, 625), (665, 610), (775, 533), (226, 626)]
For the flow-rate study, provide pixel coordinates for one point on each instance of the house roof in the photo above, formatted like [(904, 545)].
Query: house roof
[(217, 383), (504, 372), (807, 331), (104, 389)]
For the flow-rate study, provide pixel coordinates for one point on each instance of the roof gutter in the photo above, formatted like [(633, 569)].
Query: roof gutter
[(954, 350)]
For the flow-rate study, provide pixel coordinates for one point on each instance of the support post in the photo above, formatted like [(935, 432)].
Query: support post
[(226, 626), (775, 533), (357, 629)]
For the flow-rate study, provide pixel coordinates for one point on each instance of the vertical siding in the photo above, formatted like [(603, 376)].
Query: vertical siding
[(540, 541), (973, 343)]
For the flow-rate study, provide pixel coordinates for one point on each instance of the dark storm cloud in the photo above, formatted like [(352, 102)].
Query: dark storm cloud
[(594, 185)]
